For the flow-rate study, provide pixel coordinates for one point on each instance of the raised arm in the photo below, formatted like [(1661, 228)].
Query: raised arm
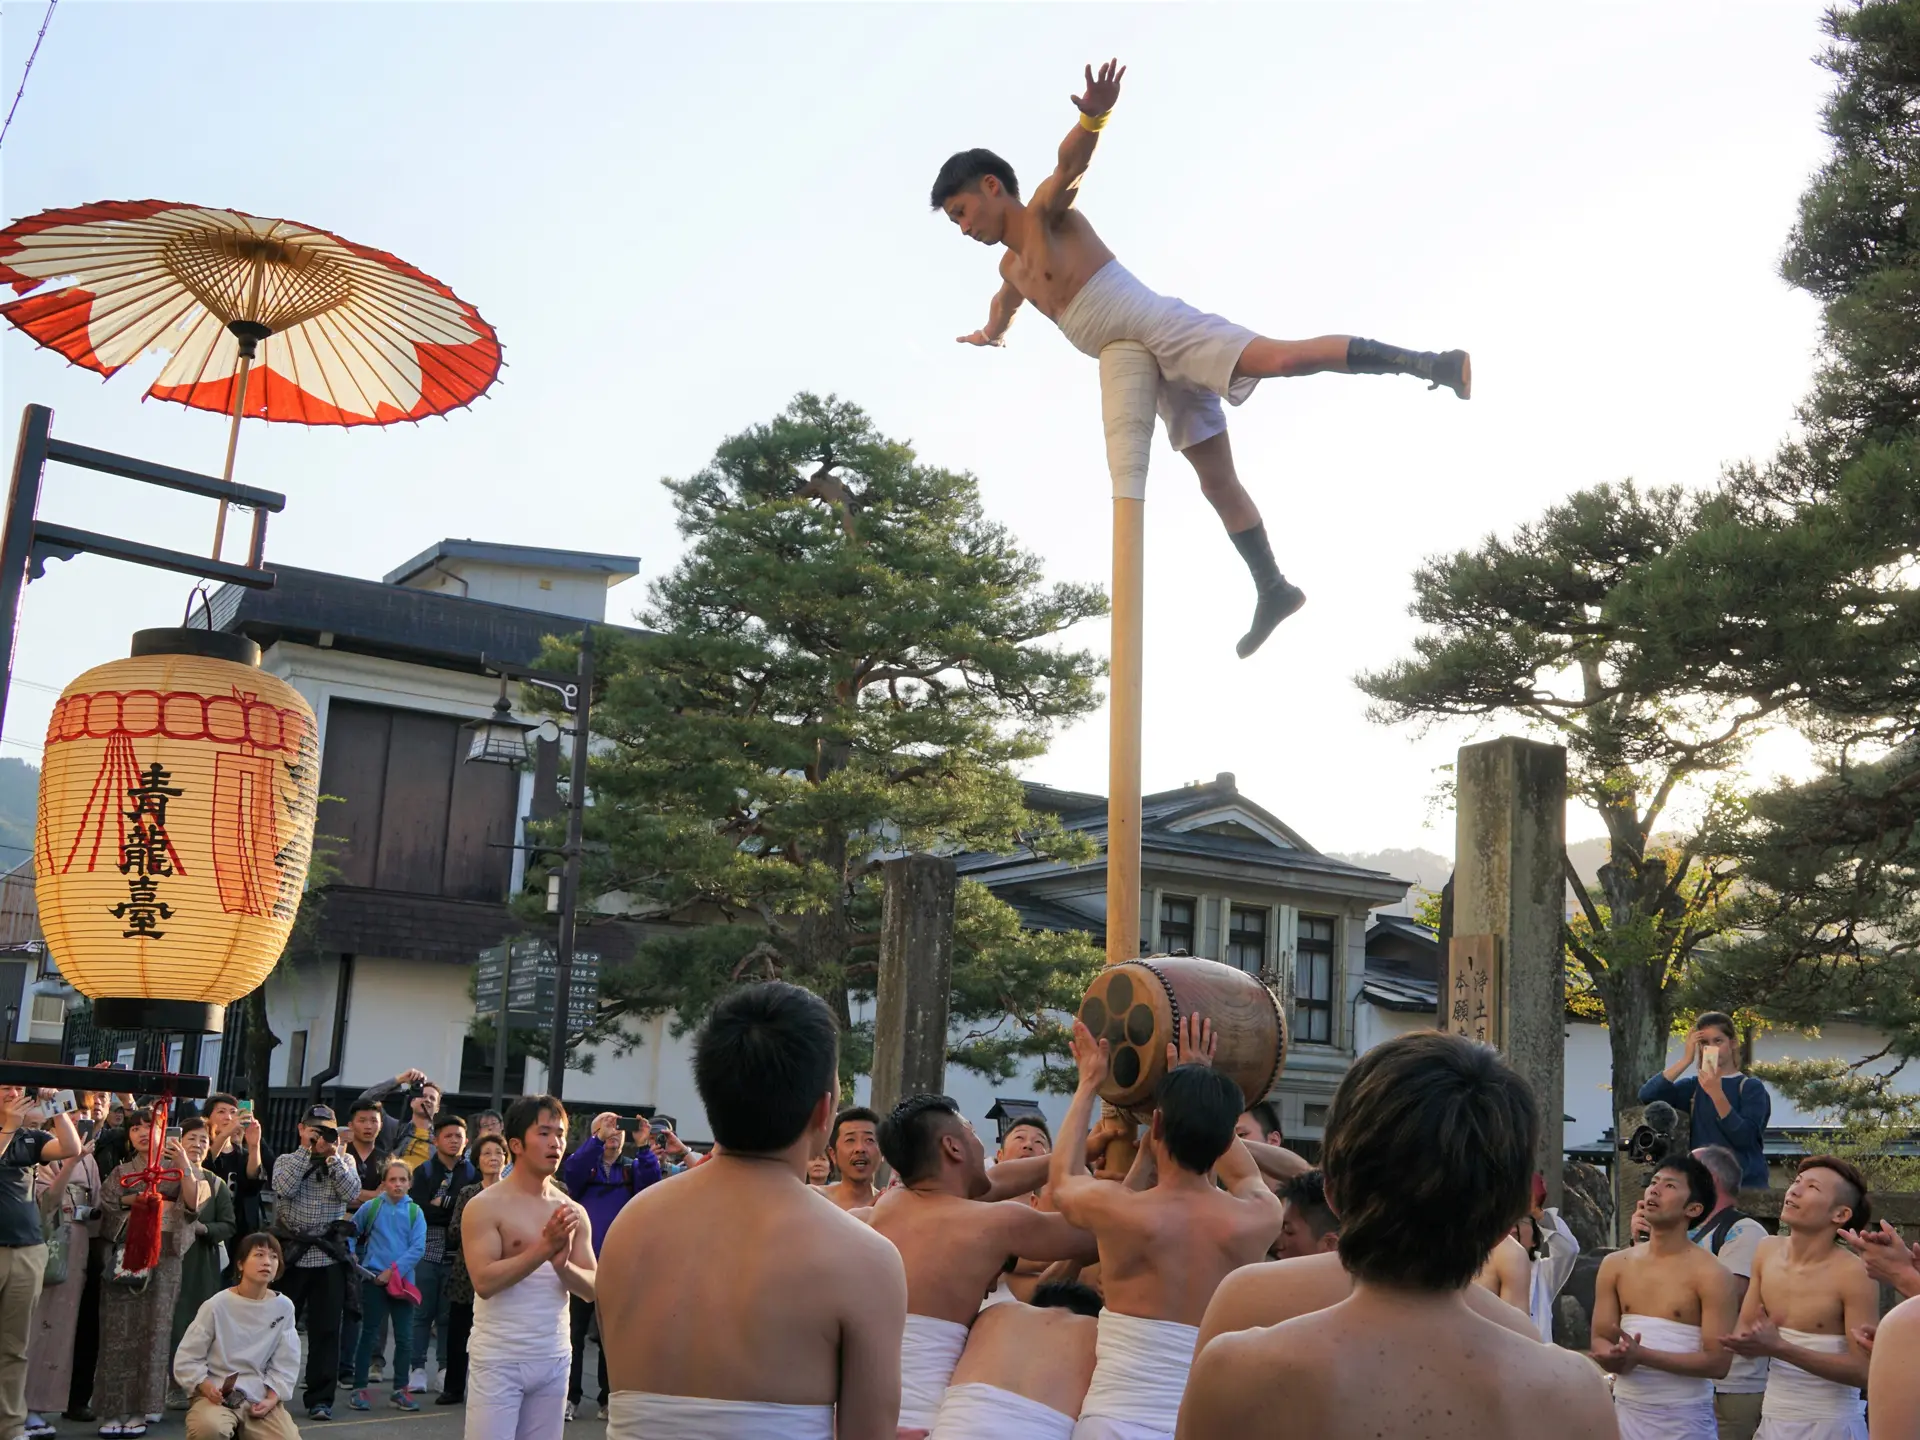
[(1240, 1177), (1056, 194), (1011, 1179), (1067, 1175), (66, 1140)]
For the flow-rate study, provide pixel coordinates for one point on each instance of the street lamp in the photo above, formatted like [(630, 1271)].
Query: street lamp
[(501, 740)]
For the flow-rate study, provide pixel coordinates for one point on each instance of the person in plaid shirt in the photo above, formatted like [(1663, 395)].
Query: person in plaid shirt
[(312, 1188)]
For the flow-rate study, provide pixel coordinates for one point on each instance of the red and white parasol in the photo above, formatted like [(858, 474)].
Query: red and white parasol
[(341, 334)]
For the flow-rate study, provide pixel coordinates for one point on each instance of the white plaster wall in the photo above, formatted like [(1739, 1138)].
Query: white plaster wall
[(400, 1014), (566, 592)]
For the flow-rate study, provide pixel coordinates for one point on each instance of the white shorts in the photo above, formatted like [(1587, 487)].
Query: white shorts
[(635, 1415), (517, 1399), (1196, 352)]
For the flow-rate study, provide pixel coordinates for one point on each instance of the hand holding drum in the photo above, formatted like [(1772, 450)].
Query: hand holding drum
[(1175, 1010)]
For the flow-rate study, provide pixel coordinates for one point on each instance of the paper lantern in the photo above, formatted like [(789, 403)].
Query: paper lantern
[(177, 798)]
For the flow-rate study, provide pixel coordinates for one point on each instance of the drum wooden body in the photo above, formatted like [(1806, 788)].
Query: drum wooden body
[(1137, 1006)]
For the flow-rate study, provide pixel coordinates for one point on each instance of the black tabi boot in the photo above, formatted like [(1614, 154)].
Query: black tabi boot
[(1278, 599), (1451, 368)]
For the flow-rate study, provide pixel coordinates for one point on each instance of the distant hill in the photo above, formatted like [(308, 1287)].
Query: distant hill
[(19, 801), (1429, 870)]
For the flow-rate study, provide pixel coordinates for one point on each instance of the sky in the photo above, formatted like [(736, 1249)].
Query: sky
[(680, 216)]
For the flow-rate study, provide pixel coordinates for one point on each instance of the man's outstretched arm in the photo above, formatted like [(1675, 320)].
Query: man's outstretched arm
[(1056, 193), (999, 316)]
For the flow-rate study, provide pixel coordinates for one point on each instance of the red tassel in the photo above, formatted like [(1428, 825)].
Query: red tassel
[(143, 1233)]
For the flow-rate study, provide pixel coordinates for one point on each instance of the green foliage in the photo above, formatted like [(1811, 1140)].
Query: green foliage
[(1871, 1114), (1521, 631), (848, 662)]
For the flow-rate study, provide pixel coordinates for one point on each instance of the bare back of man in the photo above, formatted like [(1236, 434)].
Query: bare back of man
[(1478, 1378), (1508, 1273), (1043, 1356), (1275, 1291), (802, 1279)]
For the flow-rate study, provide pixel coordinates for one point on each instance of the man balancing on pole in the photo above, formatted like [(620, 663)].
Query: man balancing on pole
[(1055, 260)]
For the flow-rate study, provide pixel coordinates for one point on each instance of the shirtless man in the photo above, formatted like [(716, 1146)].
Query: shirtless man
[(1310, 1227), (954, 1225), (1660, 1310), (1508, 1273), (1055, 260), (1165, 1249), (1428, 1156), (1805, 1300), (527, 1247), (1025, 1370), (1893, 1380), (735, 1303), (855, 1148)]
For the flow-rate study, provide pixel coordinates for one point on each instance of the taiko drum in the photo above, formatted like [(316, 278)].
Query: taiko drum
[(1137, 1006)]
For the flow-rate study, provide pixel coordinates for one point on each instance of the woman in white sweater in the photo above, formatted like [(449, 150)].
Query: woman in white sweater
[(240, 1358)]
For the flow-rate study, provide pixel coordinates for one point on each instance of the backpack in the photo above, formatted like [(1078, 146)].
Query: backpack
[(1720, 1227), (373, 1214)]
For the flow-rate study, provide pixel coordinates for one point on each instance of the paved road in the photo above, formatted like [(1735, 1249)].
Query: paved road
[(434, 1422)]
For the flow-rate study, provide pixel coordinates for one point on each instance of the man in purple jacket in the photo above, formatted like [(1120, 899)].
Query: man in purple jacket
[(602, 1176)]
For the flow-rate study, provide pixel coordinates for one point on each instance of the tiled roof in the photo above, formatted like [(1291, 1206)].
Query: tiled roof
[(531, 556)]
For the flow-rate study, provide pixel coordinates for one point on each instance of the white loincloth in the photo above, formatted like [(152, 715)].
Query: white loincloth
[(986, 1412), (1139, 1374), (634, 1415), (999, 1295), (1653, 1405), (1196, 351), (928, 1352), (1803, 1406)]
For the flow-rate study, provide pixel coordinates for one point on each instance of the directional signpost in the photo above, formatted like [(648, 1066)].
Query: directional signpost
[(519, 982)]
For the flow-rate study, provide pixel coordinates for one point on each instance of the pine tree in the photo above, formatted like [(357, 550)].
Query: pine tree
[(849, 661)]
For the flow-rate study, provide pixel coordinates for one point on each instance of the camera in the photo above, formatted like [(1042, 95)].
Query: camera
[(1652, 1139)]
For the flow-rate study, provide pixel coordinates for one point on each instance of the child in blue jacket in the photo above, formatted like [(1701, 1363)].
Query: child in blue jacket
[(393, 1237)]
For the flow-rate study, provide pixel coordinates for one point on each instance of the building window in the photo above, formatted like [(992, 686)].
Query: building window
[(1313, 980), (1176, 924), (123, 1057), (1316, 1114), (83, 1057), (49, 1010), (210, 1058), (1247, 940), (297, 1058)]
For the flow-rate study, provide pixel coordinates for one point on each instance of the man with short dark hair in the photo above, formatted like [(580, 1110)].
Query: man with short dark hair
[(803, 1338), (437, 1183), (238, 1157), (410, 1140), (1428, 1156), (527, 1247), (312, 1188), (1025, 1138), (1731, 1237), (1026, 1368), (1726, 1107), (854, 1148), (1309, 1226), (362, 1147), (1807, 1303), (1660, 1311), (1163, 1249), (955, 1223), (1055, 259), (1260, 1122)]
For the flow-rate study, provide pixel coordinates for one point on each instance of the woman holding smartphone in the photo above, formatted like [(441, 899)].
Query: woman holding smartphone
[(1727, 1108), (136, 1311)]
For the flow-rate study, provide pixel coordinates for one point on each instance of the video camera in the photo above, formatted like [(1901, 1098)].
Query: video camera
[(1652, 1139)]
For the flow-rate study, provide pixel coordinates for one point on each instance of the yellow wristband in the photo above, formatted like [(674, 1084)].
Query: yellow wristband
[(1095, 122)]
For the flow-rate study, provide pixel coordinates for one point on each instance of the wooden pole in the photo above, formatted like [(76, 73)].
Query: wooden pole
[(1129, 386)]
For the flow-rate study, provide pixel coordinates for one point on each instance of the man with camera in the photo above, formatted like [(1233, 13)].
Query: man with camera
[(409, 1140), (312, 1188)]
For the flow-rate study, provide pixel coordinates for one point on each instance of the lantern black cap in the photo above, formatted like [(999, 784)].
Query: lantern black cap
[(196, 640)]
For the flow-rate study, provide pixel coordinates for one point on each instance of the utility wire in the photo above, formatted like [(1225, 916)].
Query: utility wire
[(7, 124)]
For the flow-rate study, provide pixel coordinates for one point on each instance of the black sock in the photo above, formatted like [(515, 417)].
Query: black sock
[(1254, 549), (1370, 357)]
